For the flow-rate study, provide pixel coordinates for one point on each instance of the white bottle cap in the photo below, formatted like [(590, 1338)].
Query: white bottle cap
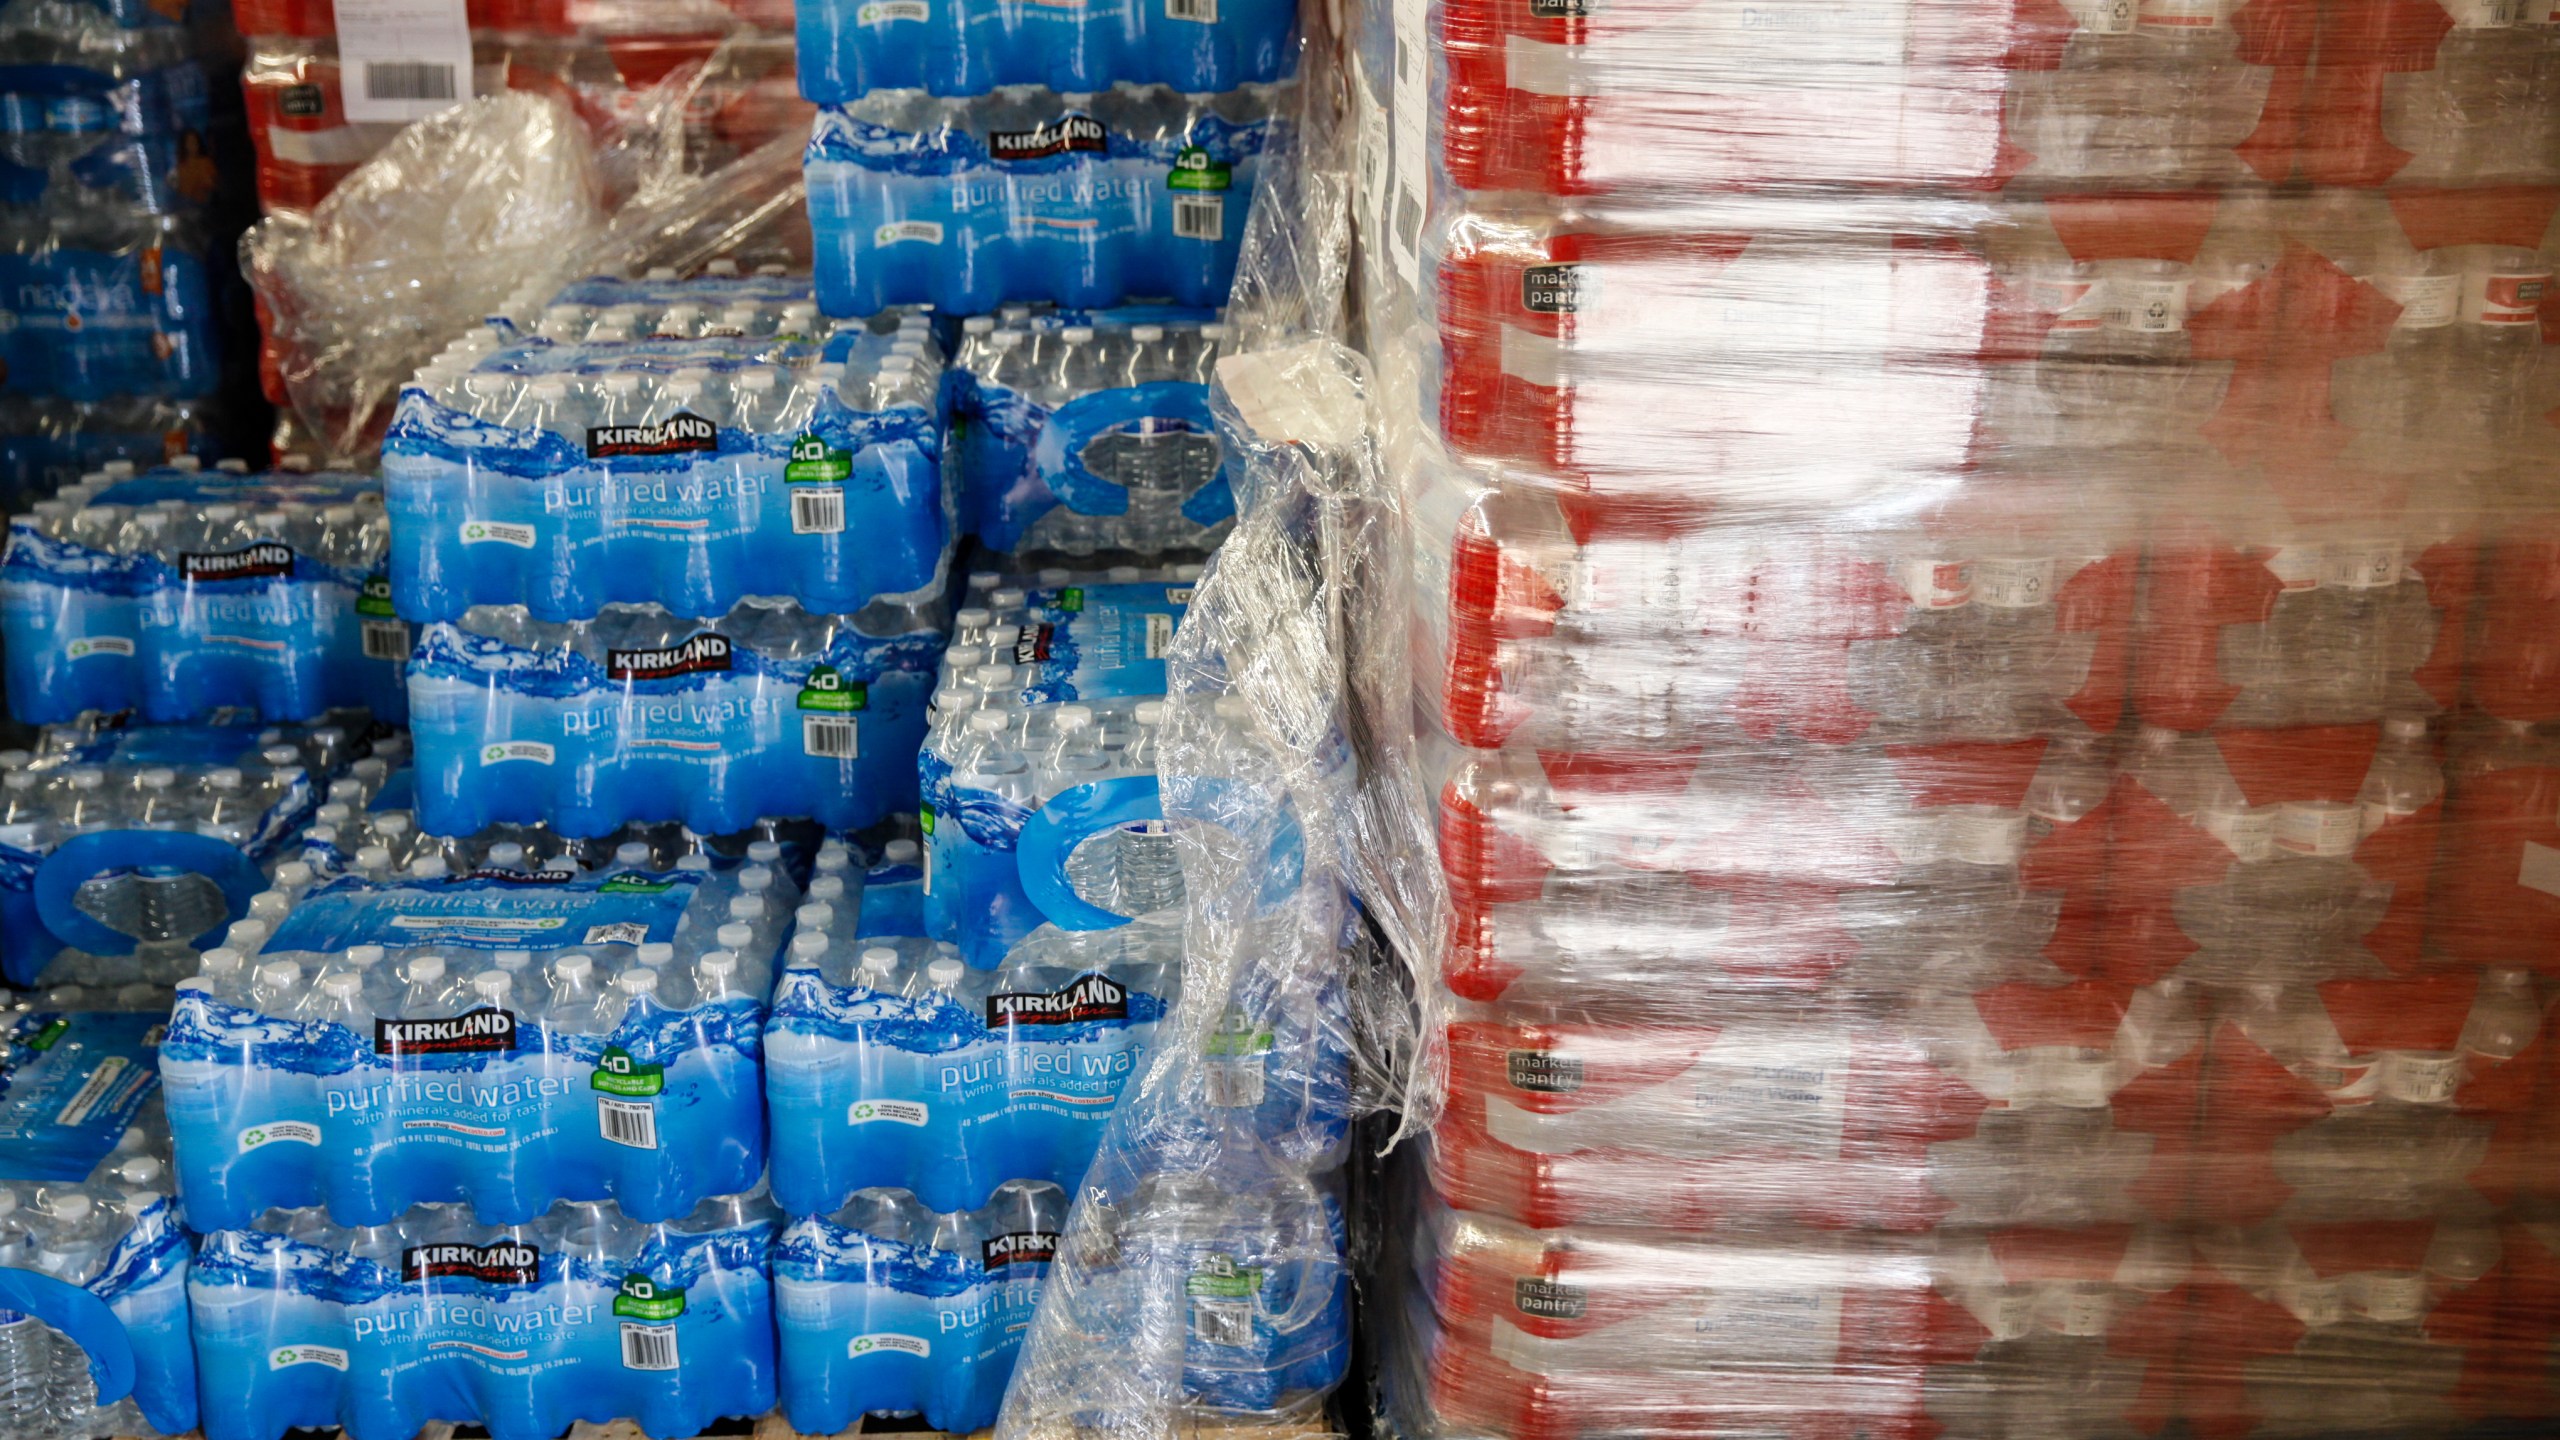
[(734, 936), (278, 974), (426, 967), (718, 965), (902, 852), (879, 960), (764, 852), (631, 852), (808, 946), (638, 980), (944, 973), (573, 968), (656, 952), (342, 986)]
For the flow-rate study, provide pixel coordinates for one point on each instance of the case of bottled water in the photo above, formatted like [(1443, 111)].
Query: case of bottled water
[(578, 1312), (892, 1065), (1084, 431), (688, 469), (179, 593), (1038, 765), (123, 847), (1026, 194), (93, 1261), (887, 1306), (639, 715), (848, 50), (485, 1024)]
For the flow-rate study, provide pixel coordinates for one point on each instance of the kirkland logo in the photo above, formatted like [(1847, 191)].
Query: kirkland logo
[(264, 560), (1087, 997), (508, 1262), (524, 877), (1023, 1247), (704, 653), (1032, 646), (683, 433), (481, 1031), (1068, 134)]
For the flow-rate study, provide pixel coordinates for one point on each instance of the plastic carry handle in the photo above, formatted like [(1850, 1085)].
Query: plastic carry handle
[(1064, 821), (83, 858), (1059, 453), (83, 1317)]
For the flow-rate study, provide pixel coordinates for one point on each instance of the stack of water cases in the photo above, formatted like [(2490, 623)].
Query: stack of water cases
[(1982, 594), (676, 557), (1038, 169), (93, 1261), (473, 1127), (113, 238), (945, 1073)]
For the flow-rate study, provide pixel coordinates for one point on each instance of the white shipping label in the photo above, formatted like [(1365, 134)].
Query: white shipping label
[(403, 59)]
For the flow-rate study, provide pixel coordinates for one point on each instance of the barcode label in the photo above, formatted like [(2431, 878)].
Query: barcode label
[(407, 80), (633, 1123), (1199, 217), (829, 737), (386, 640), (648, 1347), (1203, 11), (1159, 635), (817, 512), (620, 932), (404, 59), (1222, 1322)]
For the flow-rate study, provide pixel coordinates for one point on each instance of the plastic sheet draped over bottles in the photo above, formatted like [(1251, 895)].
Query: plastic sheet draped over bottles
[(1979, 683), (1203, 1275)]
